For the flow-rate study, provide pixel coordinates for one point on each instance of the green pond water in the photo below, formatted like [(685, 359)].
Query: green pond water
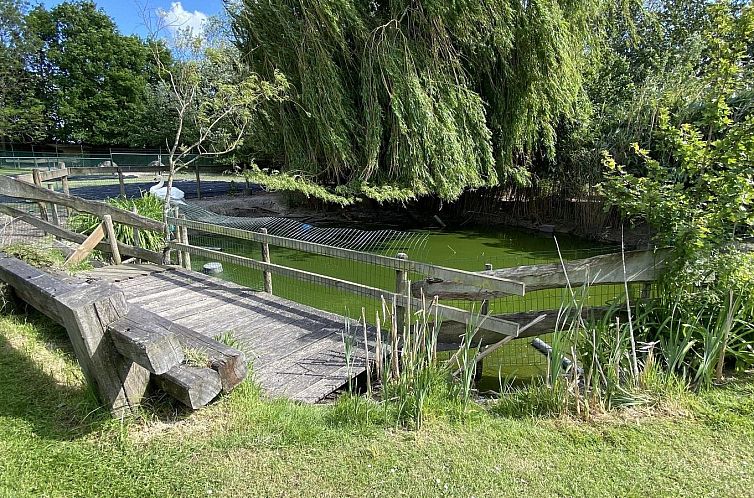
[(467, 249)]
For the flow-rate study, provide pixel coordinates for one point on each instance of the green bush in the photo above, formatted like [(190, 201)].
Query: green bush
[(696, 190), (147, 205)]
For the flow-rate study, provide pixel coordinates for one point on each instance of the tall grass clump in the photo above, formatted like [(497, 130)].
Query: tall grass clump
[(407, 378), (637, 352), (147, 205)]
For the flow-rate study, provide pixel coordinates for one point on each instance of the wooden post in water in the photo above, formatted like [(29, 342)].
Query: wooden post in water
[(107, 220), (38, 182), (185, 240), (401, 288), (266, 258), (122, 182), (484, 309)]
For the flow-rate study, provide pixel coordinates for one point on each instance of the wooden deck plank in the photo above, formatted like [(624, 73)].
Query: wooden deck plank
[(297, 351)]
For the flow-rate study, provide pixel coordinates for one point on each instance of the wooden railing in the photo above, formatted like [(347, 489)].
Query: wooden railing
[(437, 281), (49, 201), (444, 283), (401, 265)]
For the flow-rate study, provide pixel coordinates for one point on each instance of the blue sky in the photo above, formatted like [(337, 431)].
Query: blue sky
[(128, 17)]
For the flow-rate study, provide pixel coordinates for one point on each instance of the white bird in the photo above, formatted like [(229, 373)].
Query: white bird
[(176, 194)]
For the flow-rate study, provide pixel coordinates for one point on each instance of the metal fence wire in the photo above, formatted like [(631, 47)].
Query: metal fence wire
[(516, 358)]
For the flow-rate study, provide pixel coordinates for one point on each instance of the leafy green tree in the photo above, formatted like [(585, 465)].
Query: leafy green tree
[(696, 189), (21, 110), (420, 97), (210, 98), (92, 80)]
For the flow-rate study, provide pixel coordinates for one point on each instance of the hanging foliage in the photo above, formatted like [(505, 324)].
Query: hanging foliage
[(436, 96)]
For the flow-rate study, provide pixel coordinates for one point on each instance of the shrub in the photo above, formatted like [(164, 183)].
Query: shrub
[(147, 205)]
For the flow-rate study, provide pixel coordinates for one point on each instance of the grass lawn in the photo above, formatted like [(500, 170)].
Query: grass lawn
[(53, 442)]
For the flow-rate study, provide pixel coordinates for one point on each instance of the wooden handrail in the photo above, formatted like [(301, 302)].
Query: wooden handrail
[(640, 266), (478, 281), (60, 232), (15, 188), (497, 325), (44, 175)]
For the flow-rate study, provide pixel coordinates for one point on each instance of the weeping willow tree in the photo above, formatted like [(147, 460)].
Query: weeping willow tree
[(396, 99)]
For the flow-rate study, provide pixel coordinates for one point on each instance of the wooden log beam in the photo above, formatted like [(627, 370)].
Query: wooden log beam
[(44, 175), (34, 286), (149, 344), (229, 363), (192, 386), (641, 266), (85, 311), (451, 332), (15, 188), (125, 249), (86, 247)]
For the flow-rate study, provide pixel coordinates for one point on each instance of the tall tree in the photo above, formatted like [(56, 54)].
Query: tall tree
[(430, 96), (21, 109), (209, 97), (92, 79)]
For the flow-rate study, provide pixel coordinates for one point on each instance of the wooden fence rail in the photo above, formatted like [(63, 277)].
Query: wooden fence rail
[(492, 324), (632, 266), (62, 233), (14, 188), (488, 282)]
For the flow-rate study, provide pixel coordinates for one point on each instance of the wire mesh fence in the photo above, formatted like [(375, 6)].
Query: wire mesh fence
[(516, 358), (125, 158)]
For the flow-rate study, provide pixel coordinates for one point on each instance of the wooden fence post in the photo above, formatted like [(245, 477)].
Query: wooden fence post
[(185, 240), (137, 242), (401, 287), (111, 238), (54, 209), (66, 191), (484, 309), (38, 183), (266, 258)]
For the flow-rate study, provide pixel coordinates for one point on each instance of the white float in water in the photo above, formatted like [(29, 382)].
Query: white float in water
[(212, 268)]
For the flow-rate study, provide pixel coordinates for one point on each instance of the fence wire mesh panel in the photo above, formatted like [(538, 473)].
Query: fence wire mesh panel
[(25, 159), (300, 255), (516, 358)]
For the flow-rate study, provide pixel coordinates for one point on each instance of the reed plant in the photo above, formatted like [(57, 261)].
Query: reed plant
[(404, 365)]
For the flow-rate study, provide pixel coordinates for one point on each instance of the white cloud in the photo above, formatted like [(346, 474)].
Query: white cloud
[(177, 18)]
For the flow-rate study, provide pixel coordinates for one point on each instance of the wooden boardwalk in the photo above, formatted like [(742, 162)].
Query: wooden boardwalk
[(295, 351)]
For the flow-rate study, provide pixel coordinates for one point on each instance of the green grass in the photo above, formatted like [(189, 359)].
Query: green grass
[(14, 171), (54, 442)]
